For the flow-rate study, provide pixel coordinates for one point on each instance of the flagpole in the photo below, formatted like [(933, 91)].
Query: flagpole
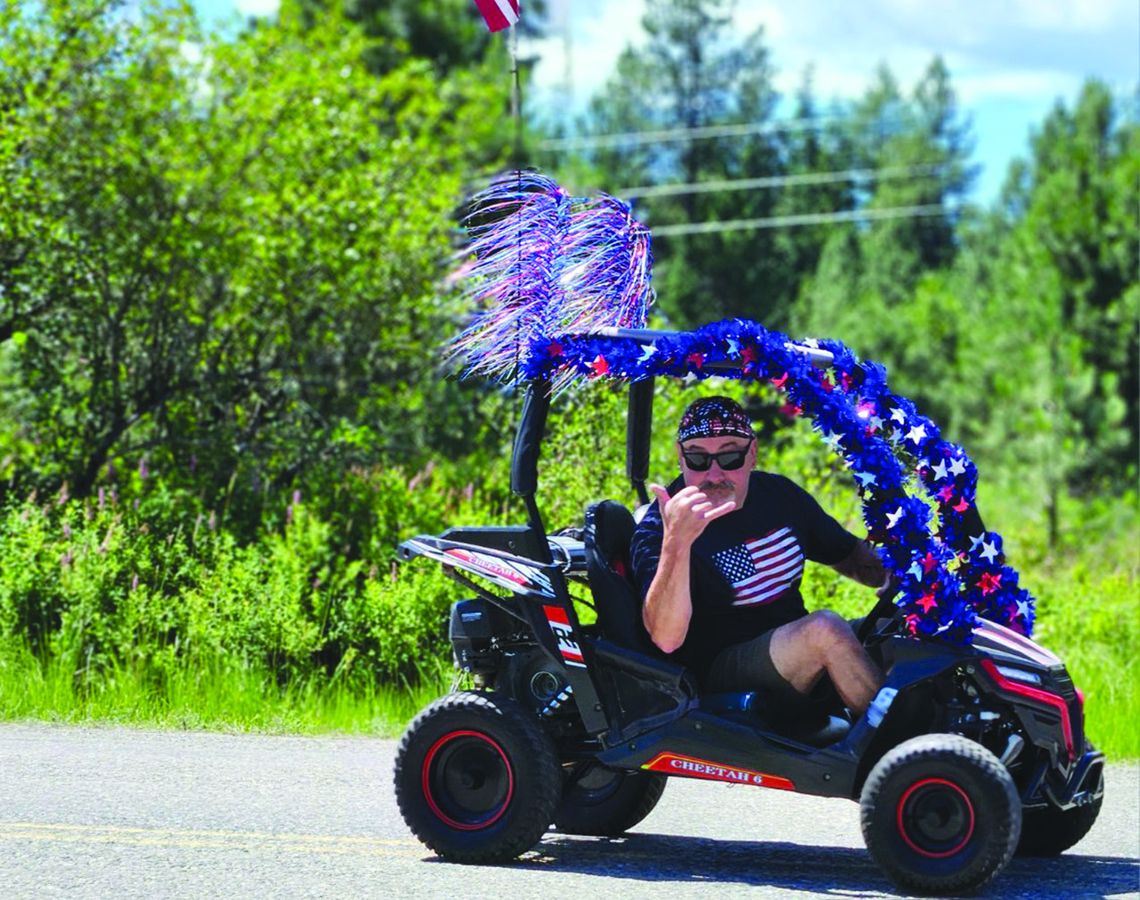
[(516, 93)]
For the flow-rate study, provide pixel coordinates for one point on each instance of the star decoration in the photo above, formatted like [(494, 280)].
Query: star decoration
[(1023, 609), (940, 470), (989, 552), (989, 582), (876, 423), (599, 366), (733, 346), (554, 349), (697, 359), (893, 518), (749, 355), (946, 494), (648, 351), (915, 571), (832, 440), (929, 563), (866, 478), (961, 506), (927, 602), (957, 466), (779, 382), (917, 434), (976, 542), (897, 415)]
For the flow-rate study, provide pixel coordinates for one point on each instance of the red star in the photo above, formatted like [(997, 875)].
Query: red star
[(825, 383), (599, 366), (927, 602), (697, 359), (779, 382), (790, 410), (989, 582), (554, 349), (962, 505), (929, 563), (947, 493), (912, 623), (846, 380)]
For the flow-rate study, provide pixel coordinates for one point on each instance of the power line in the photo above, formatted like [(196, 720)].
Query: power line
[(852, 215), (745, 184), (704, 132)]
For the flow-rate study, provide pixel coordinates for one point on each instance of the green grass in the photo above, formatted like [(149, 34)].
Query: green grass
[(215, 698)]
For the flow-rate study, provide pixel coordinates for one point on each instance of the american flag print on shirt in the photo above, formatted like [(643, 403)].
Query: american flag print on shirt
[(761, 569)]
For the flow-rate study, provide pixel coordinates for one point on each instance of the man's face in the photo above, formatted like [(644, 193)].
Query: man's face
[(718, 483)]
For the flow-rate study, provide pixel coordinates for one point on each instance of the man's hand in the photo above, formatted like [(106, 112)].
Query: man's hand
[(686, 514)]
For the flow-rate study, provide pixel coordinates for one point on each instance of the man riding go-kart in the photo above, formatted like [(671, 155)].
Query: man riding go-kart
[(974, 745)]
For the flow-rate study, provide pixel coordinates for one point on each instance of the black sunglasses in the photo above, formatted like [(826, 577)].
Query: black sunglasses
[(699, 461)]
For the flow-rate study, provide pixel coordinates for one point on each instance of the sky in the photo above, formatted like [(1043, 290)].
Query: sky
[(1010, 61)]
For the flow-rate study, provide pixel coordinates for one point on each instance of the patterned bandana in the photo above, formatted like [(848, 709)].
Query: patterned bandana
[(714, 417)]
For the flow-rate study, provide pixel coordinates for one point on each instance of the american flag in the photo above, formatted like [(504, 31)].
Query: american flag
[(763, 568), (499, 14)]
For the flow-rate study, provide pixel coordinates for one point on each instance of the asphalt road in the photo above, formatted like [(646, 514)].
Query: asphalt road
[(125, 813)]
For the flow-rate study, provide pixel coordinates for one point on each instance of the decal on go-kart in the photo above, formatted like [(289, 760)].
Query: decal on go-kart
[(567, 646), (690, 767), (505, 574)]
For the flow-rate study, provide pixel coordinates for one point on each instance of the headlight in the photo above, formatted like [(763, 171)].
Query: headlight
[(1019, 674)]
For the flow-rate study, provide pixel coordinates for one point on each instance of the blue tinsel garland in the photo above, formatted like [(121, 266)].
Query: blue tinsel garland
[(949, 574)]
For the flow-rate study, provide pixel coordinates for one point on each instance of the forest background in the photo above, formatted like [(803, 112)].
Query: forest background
[(224, 289)]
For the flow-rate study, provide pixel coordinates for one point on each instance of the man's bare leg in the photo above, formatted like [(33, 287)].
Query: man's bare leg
[(824, 642)]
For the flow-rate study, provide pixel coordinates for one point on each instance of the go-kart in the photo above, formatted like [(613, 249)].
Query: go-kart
[(979, 753)]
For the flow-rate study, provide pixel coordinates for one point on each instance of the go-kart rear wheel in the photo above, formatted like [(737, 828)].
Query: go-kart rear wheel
[(940, 814), (477, 780), (606, 802)]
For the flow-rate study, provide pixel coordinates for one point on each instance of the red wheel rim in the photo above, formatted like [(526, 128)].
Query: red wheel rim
[(467, 780), (935, 818)]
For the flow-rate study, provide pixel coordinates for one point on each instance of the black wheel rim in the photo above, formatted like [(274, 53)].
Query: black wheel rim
[(935, 818), (596, 784), (467, 780)]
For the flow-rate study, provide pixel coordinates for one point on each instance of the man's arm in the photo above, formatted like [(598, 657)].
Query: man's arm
[(668, 607), (863, 565)]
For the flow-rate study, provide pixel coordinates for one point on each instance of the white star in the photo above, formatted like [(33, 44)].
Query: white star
[(832, 440), (916, 434), (940, 470), (976, 542), (893, 518), (897, 415), (733, 347), (957, 467), (876, 422), (648, 350), (916, 571), (865, 477), (1023, 608), (989, 552)]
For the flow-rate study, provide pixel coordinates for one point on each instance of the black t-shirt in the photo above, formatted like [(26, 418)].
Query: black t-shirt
[(746, 567)]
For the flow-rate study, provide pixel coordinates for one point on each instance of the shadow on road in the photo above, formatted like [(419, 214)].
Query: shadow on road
[(835, 871)]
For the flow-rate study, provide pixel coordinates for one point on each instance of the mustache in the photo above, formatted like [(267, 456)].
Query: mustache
[(724, 485)]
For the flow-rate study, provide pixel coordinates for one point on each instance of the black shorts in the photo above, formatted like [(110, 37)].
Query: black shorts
[(748, 666)]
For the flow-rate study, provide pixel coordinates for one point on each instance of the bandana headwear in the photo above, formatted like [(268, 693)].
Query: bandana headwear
[(714, 417)]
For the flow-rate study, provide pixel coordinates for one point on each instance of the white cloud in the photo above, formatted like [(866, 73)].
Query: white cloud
[(993, 48), (257, 7)]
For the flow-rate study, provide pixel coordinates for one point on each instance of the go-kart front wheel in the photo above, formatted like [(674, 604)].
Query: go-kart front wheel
[(477, 780), (940, 814)]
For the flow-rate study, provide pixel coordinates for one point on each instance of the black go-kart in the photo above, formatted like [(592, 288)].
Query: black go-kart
[(980, 754)]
